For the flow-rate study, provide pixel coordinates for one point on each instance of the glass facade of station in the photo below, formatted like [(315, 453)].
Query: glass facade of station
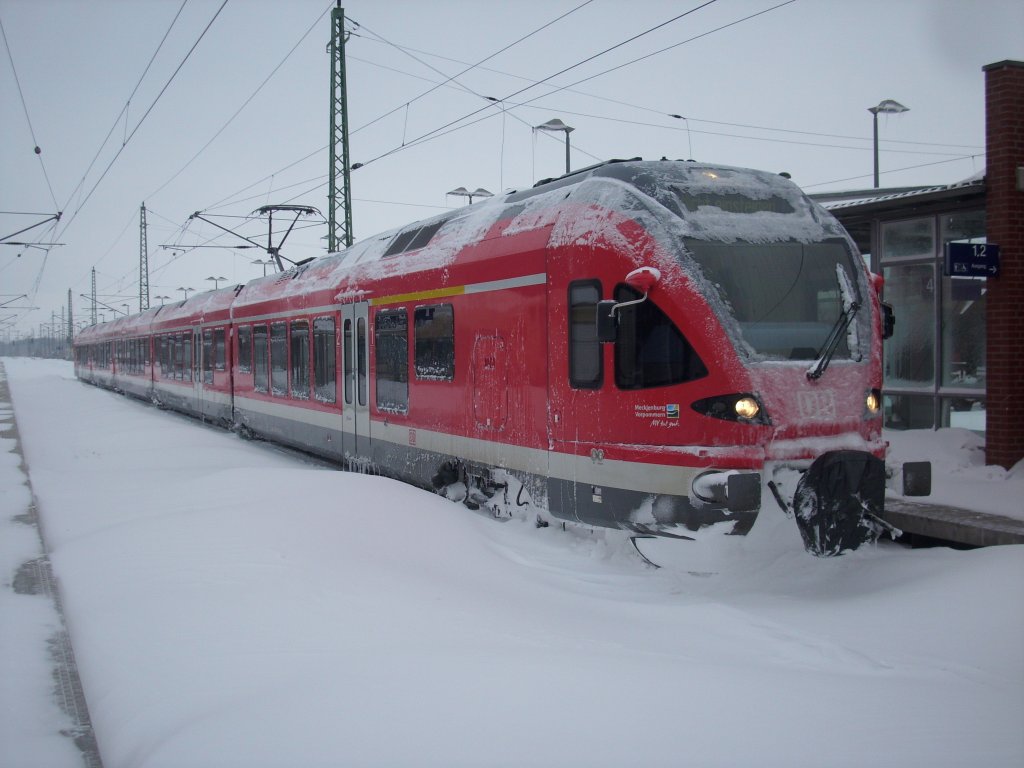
[(934, 369)]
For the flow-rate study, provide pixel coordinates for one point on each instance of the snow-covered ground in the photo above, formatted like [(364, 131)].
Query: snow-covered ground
[(233, 605)]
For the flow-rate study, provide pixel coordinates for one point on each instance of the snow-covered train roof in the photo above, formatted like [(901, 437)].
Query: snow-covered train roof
[(694, 200)]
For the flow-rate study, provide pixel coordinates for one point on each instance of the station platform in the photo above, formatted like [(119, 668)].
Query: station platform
[(921, 520)]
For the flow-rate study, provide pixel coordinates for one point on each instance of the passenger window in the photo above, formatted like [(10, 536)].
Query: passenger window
[(347, 351), (219, 356), (324, 384), (260, 363), (650, 350), (300, 359), (391, 339), (435, 343), (586, 365), (245, 349), (208, 356), (361, 359), (279, 359)]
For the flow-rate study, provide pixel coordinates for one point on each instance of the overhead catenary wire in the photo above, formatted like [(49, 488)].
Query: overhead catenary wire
[(28, 119)]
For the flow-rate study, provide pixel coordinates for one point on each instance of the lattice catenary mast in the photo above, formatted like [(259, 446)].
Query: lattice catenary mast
[(339, 191), (143, 262)]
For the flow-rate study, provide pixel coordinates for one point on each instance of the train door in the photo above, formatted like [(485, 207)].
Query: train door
[(355, 350)]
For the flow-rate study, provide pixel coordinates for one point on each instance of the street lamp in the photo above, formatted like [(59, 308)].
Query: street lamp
[(162, 299), (888, 107), (126, 310), (216, 281), (556, 126), (463, 192), (264, 263), (186, 290)]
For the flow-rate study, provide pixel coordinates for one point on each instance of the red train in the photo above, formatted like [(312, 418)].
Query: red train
[(637, 345)]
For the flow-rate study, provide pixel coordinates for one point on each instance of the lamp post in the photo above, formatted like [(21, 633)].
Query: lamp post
[(162, 299), (126, 310), (463, 192), (264, 263), (888, 107), (216, 281), (186, 290), (557, 126)]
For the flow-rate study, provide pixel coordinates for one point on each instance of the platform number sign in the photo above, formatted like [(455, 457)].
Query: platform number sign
[(972, 260)]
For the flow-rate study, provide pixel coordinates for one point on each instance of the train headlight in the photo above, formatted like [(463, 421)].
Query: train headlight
[(747, 408), (743, 407), (873, 401)]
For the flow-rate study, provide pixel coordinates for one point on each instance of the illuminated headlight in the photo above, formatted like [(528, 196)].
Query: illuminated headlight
[(873, 401), (747, 408), (742, 407)]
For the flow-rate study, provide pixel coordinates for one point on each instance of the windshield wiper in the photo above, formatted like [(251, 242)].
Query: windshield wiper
[(839, 328)]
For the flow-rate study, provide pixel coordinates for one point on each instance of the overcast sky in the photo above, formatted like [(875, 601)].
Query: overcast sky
[(244, 122)]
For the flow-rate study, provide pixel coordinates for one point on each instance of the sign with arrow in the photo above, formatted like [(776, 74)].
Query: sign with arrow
[(972, 260)]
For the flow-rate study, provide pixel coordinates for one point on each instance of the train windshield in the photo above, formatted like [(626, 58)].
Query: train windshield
[(786, 297)]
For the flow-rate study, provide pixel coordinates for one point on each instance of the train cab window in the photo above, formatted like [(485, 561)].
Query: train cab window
[(435, 343), (208, 356), (391, 339), (299, 374), (586, 364), (245, 349), (650, 350), (324, 384), (278, 359), (219, 350), (260, 363)]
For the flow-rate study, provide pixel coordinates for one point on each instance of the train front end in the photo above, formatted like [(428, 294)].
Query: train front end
[(774, 298)]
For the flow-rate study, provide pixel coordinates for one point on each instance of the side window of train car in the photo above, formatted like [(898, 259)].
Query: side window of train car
[(434, 329), (260, 362), (651, 351), (391, 339), (208, 356), (245, 349), (346, 356), (324, 385), (279, 359), (179, 361), (586, 364), (187, 355), (299, 377), (219, 351)]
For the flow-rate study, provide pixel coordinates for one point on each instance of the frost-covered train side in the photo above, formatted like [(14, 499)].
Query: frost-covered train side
[(640, 345)]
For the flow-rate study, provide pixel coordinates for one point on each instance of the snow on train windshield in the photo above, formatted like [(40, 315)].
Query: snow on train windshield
[(785, 296)]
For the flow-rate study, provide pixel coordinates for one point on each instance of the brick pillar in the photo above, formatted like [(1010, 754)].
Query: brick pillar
[(1004, 177)]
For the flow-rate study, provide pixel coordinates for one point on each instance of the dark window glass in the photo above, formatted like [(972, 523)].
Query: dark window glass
[(279, 359), (324, 360), (435, 342), (299, 378), (391, 339), (187, 352), (245, 349), (260, 363), (650, 351), (361, 359), (219, 350), (208, 356), (586, 367), (347, 351)]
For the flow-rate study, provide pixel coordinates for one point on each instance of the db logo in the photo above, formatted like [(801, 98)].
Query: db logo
[(819, 405)]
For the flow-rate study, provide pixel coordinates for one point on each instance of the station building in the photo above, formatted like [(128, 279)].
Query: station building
[(956, 358)]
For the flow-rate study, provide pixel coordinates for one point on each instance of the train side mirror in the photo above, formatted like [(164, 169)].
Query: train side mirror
[(888, 321), (607, 323)]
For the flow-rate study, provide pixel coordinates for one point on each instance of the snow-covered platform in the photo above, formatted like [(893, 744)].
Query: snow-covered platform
[(962, 526)]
